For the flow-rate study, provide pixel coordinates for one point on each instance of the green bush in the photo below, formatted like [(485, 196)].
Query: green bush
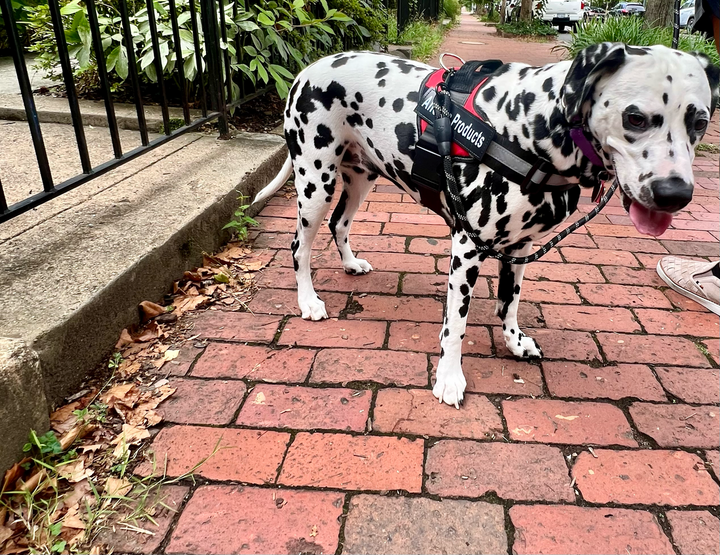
[(424, 37), (370, 16), (534, 28), (20, 14), (273, 35), (632, 30), (451, 8)]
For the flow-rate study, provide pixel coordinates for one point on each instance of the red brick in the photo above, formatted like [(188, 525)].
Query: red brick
[(482, 312), (236, 326), (512, 470), (428, 219), (614, 230), (679, 323), (589, 318), (333, 333), (422, 245), (505, 376), (632, 276), (599, 256), (550, 421), (222, 360), (575, 239), (630, 244), (433, 284), (695, 532), (385, 367), (644, 477), (418, 263), (326, 259), (180, 365), (397, 208), (417, 412), (692, 385), (379, 243), (562, 344), (416, 230), (410, 336), (203, 401), (678, 425), (401, 525), (306, 408), (374, 282), (284, 301), (713, 458), (384, 307), (651, 349), (570, 273), (238, 519), (167, 501), (547, 292), (713, 348), (384, 197), (251, 456), (353, 462), (541, 529), (623, 295), (572, 379), (283, 240), (689, 235), (693, 248), (276, 277)]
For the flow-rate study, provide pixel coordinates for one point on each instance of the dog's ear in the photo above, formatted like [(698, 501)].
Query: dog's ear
[(589, 66), (713, 76)]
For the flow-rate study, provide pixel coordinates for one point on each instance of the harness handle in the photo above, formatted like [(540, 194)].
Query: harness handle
[(450, 55)]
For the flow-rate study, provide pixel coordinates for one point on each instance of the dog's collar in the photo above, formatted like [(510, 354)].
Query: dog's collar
[(581, 139)]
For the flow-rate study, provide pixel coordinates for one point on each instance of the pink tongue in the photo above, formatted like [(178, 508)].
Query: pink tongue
[(649, 222)]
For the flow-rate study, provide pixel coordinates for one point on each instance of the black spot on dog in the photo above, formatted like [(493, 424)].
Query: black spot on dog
[(301, 135), (301, 171), (644, 153), (354, 106), (324, 137), (547, 84), (339, 150), (629, 139), (329, 188), (382, 102), (488, 94), (607, 103), (540, 128), (502, 101), (340, 62), (338, 213), (354, 120), (398, 104), (644, 176), (358, 169), (665, 98), (669, 78), (405, 133), (525, 131), (404, 66), (310, 95), (370, 143), (382, 73), (291, 138), (369, 123), (669, 137), (318, 164), (657, 120), (412, 96), (471, 275), (309, 190), (304, 222), (527, 101), (381, 65), (325, 177), (359, 97), (372, 177), (381, 83), (390, 171)]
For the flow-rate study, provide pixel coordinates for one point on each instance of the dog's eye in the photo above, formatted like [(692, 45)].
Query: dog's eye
[(637, 120), (700, 125)]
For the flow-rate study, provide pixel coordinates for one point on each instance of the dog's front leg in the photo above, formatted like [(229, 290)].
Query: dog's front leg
[(509, 285), (464, 270)]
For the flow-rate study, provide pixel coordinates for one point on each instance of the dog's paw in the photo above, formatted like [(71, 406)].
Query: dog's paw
[(450, 388), (523, 346), (312, 309), (357, 267)]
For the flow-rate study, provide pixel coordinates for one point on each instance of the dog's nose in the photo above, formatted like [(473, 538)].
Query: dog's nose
[(671, 193)]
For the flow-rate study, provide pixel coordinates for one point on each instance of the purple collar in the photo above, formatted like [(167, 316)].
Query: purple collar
[(577, 134)]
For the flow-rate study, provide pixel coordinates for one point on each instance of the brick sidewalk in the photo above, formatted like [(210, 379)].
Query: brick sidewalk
[(333, 442)]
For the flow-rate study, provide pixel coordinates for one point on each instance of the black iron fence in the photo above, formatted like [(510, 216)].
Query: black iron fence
[(410, 9), (219, 87)]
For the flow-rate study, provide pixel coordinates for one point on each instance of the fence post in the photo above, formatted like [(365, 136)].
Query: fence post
[(208, 14), (403, 15)]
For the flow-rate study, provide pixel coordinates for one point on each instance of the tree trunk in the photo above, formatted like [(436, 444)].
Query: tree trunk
[(503, 9), (659, 13), (526, 10)]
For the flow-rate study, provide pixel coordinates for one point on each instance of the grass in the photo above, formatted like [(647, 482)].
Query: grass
[(632, 30), (425, 37), (707, 147), (534, 28)]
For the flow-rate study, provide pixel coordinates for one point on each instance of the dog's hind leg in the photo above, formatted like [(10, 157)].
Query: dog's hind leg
[(355, 188), (509, 284), (464, 270), (315, 187)]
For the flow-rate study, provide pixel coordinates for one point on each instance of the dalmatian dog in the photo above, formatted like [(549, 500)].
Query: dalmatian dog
[(352, 115)]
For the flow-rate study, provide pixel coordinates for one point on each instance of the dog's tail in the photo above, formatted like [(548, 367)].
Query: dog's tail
[(274, 186)]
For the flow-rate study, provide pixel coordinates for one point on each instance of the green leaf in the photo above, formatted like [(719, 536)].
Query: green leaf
[(324, 5), (265, 20), (297, 4), (112, 59), (248, 26), (151, 73), (189, 68), (262, 72), (184, 18), (251, 50), (83, 56), (147, 60), (121, 67), (83, 28), (282, 71), (59, 547), (71, 8)]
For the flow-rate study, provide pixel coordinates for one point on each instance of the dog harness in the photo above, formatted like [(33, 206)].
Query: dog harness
[(451, 129)]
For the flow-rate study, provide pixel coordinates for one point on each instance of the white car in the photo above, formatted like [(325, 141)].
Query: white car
[(687, 14), (563, 13)]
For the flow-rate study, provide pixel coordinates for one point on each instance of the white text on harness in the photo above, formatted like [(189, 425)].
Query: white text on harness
[(468, 131)]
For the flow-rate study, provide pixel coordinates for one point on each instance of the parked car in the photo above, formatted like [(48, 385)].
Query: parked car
[(563, 13), (628, 8), (594, 13), (687, 14)]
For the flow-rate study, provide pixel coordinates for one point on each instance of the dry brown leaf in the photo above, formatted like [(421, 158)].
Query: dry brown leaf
[(117, 487), (78, 432), (75, 471), (129, 368), (130, 435), (192, 276), (148, 311), (125, 339), (253, 265), (149, 332), (12, 475), (63, 418), (79, 491), (171, 354), (72, 518)]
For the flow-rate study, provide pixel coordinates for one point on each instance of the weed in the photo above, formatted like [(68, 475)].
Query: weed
[(707, 147), (176, 123), (240, 222)]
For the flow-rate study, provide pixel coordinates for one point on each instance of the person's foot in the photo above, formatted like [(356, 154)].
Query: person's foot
[(699, 281)]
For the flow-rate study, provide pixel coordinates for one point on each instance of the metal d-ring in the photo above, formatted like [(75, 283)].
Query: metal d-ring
[(452, 56)]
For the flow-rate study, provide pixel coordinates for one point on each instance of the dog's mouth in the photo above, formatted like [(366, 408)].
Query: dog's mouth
[(645, 220)]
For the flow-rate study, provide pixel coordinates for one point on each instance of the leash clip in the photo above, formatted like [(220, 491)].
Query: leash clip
[(598, 192)]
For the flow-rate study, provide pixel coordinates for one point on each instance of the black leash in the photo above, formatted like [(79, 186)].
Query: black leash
[(443, 136)]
